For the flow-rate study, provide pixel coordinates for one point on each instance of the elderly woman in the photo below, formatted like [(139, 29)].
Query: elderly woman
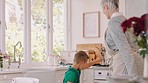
[(126, 61)]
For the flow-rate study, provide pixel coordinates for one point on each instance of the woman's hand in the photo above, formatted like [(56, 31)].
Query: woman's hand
[(98, 60), (89, 64)]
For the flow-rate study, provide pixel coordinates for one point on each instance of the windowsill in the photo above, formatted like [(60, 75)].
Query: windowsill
[(32, 69), (47, 67), (37, 67)]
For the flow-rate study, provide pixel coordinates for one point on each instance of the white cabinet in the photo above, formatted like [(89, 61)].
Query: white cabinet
[(100, 75), (44, 76), (59, 76), (47, 75), (87, 76), (7, 78), (94, 75)]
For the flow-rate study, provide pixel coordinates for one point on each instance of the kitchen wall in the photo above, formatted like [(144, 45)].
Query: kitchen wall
[(78, 7), (136, 7)]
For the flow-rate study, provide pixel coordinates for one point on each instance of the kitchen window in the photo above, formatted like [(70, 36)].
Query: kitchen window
[(14, 27), (38, 27)]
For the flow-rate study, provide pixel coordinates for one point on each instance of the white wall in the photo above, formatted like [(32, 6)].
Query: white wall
[(136, 7), (78, 7)]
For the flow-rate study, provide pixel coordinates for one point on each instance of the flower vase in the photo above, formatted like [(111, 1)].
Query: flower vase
[(145, 72)]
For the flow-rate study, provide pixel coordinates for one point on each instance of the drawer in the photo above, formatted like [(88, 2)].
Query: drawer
[(101, 74)]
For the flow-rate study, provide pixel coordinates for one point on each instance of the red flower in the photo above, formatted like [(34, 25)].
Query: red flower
[(144, 21), (138, 24), (3, 55), (139, 28), (125, 25)]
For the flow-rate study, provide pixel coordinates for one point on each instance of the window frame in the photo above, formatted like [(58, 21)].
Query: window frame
[(27, 30)]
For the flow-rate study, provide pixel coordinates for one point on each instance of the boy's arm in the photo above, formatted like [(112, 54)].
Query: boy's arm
[(87, 65)]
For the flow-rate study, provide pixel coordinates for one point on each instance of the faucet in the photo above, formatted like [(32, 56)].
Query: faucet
[(14, 59)]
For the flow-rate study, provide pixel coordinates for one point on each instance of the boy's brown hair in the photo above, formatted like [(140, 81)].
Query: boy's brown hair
[(80, 56)]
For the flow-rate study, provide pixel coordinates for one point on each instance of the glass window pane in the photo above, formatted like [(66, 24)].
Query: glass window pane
[(38, 31), (14, 28), (58, 26)]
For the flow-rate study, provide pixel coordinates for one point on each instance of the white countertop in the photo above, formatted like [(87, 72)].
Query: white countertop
[(46, 68), (11, 71), (28, 69), (100, 68), (41, 68)]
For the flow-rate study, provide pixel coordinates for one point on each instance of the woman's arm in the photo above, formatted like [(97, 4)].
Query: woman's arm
[(69, 82), (87, 65)]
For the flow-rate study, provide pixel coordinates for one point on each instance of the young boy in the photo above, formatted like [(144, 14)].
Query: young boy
[(72, 75)]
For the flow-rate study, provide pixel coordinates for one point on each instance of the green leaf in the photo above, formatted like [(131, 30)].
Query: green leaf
[(144, 52)]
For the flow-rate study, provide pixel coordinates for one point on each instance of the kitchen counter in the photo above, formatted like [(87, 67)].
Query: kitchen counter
[(46, 74), (28, 69), (43, 68), (100, 68), (11, 71), (50, 74), (46, 68)]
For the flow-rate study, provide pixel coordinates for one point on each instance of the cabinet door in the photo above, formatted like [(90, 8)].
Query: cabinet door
[(5, 81), (101, 74), (1, 77), (2, 80), (7, 78), (60, 76), (88, 76), (43, 75)]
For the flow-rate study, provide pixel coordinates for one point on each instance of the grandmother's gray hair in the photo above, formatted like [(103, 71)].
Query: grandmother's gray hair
[(113, 4)]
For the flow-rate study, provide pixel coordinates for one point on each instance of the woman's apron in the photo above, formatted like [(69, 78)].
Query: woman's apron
[(117, 66)]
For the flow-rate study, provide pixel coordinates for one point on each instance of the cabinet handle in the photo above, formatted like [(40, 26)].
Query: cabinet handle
[(107, 74), (99, 72)]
